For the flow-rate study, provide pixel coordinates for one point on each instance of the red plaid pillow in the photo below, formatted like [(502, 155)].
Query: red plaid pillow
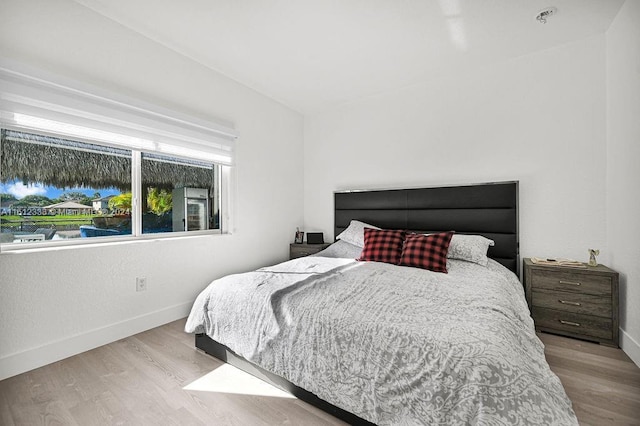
[(381, 245), (426, 251)]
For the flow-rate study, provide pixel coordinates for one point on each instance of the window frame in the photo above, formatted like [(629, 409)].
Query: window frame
[(221, 180), (148, 127)]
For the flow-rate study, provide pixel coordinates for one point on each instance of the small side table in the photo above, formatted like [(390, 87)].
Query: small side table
[(574, 302), (301, 250)]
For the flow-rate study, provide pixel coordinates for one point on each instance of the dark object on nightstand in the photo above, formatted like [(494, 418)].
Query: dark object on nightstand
[(315, 238), (574, 302), (301, 250)]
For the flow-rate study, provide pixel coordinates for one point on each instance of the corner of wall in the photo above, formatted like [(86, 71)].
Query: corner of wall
[(622, 132), (630, 346)]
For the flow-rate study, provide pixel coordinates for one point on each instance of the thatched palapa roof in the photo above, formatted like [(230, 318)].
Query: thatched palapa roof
[(69, 164)]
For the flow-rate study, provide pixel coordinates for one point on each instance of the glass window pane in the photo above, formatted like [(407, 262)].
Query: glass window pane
[(53, 188), (178, 194)]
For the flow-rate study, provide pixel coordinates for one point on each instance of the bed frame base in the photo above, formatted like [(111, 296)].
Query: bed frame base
[(223, 353)]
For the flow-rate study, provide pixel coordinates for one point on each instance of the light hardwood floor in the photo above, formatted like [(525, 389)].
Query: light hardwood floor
[(140, 380), (602, 382)]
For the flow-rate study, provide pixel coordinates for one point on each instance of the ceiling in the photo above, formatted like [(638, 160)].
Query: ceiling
[(312, 55)]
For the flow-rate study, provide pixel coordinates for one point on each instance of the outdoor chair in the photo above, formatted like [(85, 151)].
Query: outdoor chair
[(47, 232)]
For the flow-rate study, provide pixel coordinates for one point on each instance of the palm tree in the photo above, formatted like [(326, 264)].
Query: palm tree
[(121, 203), (159, 201)]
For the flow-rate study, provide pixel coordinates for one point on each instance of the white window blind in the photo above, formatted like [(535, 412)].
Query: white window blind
[(35, 101)]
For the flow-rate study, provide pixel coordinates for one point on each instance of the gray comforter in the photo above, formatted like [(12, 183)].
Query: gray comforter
[(391, 344)]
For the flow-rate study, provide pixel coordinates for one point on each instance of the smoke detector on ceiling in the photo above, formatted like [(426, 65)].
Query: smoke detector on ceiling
[(544, 14)]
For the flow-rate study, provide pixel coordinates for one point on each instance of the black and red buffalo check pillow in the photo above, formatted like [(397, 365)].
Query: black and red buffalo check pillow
[(382, 245), (426, 251)]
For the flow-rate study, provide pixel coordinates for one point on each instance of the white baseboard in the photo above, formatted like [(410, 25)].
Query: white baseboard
[(630, 347), (21, 362)]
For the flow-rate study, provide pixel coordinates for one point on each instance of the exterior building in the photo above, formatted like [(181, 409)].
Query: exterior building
[(69, 207), (101, 205)]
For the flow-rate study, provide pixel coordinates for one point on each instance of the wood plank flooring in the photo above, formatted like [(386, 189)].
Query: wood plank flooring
[(602, 382), (140, 380)]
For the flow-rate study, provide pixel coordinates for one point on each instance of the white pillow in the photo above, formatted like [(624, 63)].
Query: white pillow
[(472, 248), (354, 234)]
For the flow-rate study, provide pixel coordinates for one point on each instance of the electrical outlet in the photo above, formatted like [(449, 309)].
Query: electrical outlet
[(141, 284)]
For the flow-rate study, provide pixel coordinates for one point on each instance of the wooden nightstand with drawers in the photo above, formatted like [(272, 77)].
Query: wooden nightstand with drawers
[(574, 302), (301, 250)]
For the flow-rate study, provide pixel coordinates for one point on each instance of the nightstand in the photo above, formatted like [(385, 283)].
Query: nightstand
[(301, 250), (574, 302)]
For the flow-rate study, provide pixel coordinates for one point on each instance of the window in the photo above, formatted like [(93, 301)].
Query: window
[(179, 195), (59, 189), (51, 188), (79, 165)]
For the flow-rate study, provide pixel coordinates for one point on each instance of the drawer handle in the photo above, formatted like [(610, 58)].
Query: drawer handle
[(570, 282), (575, 324), (566, 302)]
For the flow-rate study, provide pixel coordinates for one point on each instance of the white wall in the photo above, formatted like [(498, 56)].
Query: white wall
[(623, 172), (57, 303), (564, 122), (539, 119)]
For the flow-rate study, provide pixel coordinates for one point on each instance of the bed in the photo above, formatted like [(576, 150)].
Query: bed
[(378, 343)]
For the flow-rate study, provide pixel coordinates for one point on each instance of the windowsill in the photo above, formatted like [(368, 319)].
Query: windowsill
[(38, 247)]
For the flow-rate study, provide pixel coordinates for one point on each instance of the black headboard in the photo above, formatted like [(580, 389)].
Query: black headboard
[(489, 209)]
